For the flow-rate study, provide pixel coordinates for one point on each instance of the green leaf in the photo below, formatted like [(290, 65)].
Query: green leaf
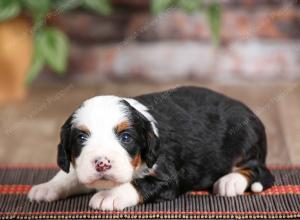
[(100, 6), (37, 62), (39, 9), (67, 5), (9, 9), (55, 49), (214, 20), (158, 6), (38, 6), (189, 5)]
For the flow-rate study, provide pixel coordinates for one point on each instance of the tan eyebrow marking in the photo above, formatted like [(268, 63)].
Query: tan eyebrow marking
[(84, 129), (122, 126)]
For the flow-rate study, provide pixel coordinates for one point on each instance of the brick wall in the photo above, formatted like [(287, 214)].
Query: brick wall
[(260, 40)]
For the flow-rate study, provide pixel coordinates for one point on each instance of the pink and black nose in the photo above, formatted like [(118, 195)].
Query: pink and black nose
[(102, 164)]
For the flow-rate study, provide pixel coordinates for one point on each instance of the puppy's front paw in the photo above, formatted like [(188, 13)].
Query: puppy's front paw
[(231, 184), (47, 192), (115, 199)]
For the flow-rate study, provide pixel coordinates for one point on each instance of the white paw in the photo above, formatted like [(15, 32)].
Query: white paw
[(115, 199), (231, 184), (47, 192)]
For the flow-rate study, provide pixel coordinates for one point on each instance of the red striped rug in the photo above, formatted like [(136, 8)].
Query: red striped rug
[(281, 201)]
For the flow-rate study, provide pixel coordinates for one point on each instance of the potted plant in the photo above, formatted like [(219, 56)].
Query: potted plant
[(28, 42)]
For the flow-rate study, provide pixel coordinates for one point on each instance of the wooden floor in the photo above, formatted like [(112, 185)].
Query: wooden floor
[(29, 130)]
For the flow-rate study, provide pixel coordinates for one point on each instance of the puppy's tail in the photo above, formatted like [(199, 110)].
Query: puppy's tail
[(262, 180), (257, 187)]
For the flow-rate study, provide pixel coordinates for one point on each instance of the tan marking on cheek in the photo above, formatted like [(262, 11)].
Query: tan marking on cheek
[(122, 126), (137, 161), (73, 160)]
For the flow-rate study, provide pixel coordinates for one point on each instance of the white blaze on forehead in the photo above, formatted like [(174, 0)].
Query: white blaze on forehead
[(100, 112)]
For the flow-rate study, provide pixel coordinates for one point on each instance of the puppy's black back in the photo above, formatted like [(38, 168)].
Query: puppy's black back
[(205, 134)]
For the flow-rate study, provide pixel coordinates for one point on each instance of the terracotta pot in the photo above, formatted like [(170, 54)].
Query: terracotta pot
[(16, 47)]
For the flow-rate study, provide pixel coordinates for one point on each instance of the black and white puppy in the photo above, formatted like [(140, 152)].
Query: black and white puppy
[(155, 147)]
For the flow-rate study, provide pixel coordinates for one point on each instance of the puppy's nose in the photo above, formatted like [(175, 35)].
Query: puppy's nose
[(102, 164)]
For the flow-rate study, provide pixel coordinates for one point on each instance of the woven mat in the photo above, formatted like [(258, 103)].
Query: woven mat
[(281, 201)]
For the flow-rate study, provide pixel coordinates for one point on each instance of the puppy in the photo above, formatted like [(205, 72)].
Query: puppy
[(154, 147)]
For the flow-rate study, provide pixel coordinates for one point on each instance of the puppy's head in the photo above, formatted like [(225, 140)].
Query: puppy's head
[(108, 139)]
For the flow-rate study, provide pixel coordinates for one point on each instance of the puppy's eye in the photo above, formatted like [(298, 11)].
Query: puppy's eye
[(82, 138), (126, 138)]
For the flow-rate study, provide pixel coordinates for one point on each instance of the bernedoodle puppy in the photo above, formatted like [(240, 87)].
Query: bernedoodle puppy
[(154, 147)]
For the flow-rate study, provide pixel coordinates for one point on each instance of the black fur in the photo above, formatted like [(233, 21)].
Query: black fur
[(63, 148), (70, 145), (146, 141), (202, 136)]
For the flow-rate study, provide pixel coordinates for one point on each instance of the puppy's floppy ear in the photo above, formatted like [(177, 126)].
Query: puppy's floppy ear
[(63, 149), (145, 125), (150, 153)]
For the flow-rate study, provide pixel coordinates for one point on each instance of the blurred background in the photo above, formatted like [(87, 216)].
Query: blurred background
[(56, 53)]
